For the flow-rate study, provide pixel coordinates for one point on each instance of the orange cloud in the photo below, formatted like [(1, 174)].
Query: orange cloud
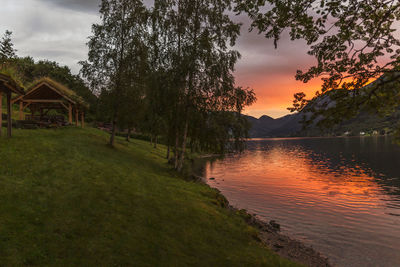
[(275, 93)]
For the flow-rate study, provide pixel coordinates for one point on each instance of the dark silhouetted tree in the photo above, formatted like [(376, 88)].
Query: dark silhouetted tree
[(354, 43)]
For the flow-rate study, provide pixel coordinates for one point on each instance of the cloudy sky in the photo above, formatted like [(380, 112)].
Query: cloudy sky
[(58, 30)]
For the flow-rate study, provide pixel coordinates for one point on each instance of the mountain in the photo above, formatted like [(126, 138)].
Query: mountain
[(290, 126), (268, 127), (364, 123)]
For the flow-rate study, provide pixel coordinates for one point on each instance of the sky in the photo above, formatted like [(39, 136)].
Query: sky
[(57, 30)]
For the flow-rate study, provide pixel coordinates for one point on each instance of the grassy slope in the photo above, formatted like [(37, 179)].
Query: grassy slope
[(66, 198)]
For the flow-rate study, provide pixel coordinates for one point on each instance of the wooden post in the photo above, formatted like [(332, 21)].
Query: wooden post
[(76, 116), (21, 110), (70, 113), (1, 113), (9, 115), (83, 119)]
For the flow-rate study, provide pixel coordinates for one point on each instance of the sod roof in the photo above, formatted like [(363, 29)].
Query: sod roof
[(57, 87), (8, 83)]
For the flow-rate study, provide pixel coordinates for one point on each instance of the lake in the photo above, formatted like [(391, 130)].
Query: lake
[(338, 195)]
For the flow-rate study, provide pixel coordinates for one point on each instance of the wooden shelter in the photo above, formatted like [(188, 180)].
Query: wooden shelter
[(8, 86), (46, 94)]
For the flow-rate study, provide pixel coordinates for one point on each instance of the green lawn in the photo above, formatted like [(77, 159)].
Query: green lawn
[(67, 199)]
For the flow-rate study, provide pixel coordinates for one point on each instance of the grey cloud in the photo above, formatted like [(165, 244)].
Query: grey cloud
[(58, 30), (77, 5), (55, 34), (91, 6), (260, 58)]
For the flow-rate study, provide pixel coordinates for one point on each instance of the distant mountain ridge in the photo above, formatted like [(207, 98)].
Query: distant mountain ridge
[(363, 124), (266, 126), (291, 126)]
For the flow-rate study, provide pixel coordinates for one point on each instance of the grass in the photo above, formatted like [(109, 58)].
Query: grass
[(68, 199)]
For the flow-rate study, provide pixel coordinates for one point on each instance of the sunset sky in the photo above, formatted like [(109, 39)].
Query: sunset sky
[(58, 30)]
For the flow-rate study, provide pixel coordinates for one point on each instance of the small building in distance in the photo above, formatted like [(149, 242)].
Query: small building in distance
[(46, 94)]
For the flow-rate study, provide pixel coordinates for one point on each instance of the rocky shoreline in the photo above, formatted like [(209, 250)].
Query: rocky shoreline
[(269, 234), (285, 246)]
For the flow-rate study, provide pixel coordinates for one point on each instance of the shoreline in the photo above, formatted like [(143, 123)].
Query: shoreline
[(270, 236), (286, 246)]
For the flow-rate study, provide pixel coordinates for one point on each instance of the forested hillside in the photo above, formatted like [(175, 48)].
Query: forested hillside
[(363, 124)]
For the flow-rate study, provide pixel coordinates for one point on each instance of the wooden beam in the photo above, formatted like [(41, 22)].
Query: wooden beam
[(63, 104), (21, 110), (70, 113), (1, 113), (83, 119), (12, 88), (27, 105), (9, 115), (42, 101), (37, 86), (76, 116), (16, 99)]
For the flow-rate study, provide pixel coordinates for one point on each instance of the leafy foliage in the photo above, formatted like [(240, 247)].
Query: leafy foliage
[(354, 43), (117, 57), (167, 69), (194, 40), (7, 50)]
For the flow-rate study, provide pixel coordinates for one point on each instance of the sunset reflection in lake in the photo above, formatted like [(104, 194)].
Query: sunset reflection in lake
[(340, 195)]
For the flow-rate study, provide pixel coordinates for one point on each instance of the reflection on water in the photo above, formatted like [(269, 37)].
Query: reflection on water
[(342, 196)]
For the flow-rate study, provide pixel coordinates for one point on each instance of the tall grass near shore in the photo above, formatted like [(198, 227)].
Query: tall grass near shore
[(68, 199)]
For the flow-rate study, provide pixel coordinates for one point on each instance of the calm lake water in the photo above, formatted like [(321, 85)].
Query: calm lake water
[(339, 195)]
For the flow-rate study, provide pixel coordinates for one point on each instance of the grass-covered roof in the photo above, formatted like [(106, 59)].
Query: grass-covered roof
[(59, 88), (9, 77)]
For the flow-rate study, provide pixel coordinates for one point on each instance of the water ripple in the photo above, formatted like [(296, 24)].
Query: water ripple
[(342, 196)]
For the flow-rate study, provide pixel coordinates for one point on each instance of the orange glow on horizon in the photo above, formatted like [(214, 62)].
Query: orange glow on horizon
[(275, 94)]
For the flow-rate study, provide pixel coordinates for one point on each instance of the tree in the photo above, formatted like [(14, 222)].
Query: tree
[(115, 52), (354, 43), (167, 69), (199, 36), (7, 50)]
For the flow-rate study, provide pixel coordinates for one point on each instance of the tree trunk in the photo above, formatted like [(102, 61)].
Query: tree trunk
[(155, 141), (128, 136), (113, 131), (168, 151), (176, 150), (118, 81), (183, 149)]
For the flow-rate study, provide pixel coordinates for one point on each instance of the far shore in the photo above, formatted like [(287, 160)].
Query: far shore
[(313, 137)]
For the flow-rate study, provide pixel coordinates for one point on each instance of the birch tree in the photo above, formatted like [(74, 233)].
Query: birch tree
[(115, 51)]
